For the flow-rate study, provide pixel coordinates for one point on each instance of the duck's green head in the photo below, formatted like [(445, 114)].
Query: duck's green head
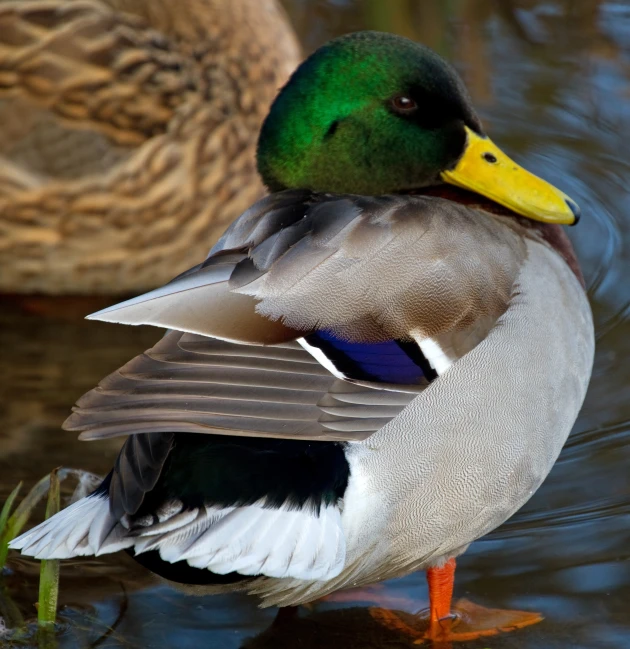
[(375, 113)]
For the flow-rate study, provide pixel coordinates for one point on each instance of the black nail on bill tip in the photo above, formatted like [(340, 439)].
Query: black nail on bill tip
[(574, 208)]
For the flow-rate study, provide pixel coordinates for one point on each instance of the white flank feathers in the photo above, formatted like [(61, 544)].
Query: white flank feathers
[(251, 540)]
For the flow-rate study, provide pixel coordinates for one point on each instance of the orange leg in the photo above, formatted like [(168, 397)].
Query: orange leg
[(441, 583)]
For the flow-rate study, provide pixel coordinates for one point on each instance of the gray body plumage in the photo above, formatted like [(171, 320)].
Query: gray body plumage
[(470, 450), (494, 307)]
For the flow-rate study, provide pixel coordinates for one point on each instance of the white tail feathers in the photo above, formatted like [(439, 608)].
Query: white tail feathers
[(84, 528), (250, 540)]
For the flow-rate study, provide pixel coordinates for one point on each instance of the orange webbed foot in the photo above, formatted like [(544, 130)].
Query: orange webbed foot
[(443, 622), (470, 621), (467, 621)]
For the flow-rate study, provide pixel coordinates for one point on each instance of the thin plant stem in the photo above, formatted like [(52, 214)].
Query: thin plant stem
[(49, 571)]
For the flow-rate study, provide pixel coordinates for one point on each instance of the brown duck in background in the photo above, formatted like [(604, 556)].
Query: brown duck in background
[(127, 134)]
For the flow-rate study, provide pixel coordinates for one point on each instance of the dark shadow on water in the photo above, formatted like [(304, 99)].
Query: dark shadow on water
[(350, 628)]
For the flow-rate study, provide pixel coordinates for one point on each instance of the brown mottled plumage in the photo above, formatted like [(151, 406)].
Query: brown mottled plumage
[(127, 134)]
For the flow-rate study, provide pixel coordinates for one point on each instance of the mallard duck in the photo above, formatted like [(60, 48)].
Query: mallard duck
[(367, 373), (128, 134)]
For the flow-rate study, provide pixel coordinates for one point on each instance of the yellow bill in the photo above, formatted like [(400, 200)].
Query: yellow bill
[(486, 170)]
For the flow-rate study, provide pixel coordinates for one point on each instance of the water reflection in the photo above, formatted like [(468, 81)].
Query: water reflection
[(551, 81)]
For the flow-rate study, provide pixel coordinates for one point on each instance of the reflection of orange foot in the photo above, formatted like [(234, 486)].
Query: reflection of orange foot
[(376, 594), (467, 621)]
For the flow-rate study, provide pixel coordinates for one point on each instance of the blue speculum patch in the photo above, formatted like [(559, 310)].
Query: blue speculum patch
[(392, 361)]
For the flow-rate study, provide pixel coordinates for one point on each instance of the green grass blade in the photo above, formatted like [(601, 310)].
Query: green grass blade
[(4, 517), (8, 505), (49, 571), (4, 525)]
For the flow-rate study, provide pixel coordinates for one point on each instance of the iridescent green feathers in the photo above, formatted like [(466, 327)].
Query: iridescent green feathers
[(335, 126)]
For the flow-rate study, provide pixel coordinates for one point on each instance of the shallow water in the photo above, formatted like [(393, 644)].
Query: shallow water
[(551, 80)]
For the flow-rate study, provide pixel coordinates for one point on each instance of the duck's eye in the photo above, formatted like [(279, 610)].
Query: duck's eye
[(403, 104)]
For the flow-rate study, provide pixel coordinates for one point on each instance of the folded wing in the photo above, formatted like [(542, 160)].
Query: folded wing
[(366, 269), (193, 384)]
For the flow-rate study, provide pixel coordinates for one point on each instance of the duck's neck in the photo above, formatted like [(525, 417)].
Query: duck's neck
[(557, 238)]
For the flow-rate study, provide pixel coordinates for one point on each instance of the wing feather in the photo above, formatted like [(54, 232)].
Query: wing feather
[(416, 280), (365, 269), (189, 383)]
